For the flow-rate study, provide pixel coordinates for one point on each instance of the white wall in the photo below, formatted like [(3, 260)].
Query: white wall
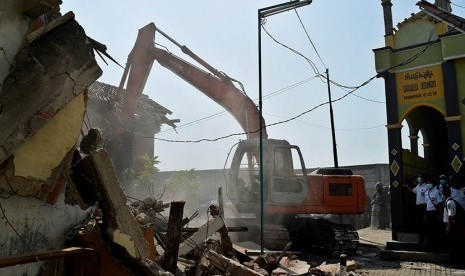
[(13, 28), (42, 226)]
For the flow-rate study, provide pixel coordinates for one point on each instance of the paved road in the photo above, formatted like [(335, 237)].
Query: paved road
[(372, 241), (375, 267)]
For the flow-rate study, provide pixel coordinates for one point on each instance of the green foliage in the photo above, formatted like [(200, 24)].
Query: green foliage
[(143, 175), (183, 182)]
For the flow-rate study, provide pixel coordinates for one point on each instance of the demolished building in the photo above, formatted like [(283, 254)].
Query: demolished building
[(104, 112), (50, 187), (47, 64)]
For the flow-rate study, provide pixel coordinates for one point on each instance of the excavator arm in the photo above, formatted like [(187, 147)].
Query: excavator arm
[(212, 83), (222, 92)]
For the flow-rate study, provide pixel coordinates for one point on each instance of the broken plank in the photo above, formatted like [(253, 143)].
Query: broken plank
[(44, 256), (173, 236)]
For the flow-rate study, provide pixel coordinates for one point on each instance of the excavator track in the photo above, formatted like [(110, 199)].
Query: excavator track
[(307, 235), (323, 235)]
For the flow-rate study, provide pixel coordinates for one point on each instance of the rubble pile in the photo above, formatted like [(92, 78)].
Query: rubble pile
[(147, 212), (212, 254)]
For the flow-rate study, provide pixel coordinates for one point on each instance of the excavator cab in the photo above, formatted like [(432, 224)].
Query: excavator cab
[(281, 183), (291, 197)]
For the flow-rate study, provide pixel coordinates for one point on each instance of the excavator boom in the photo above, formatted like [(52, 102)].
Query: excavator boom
[(212, 83)]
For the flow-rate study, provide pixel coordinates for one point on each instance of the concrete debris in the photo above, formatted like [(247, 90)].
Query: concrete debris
[(228, 266), (93, 140), (334, 269), (39, 67), (147, 212)]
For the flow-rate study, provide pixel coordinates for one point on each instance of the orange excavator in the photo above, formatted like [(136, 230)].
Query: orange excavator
[(288, 195)]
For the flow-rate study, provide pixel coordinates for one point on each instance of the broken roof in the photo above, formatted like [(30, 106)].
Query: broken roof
[(435, 14), (440, 14), (107, 93)]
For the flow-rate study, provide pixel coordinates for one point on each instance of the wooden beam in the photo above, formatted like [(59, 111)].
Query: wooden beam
[(44, 256), (173, 236)]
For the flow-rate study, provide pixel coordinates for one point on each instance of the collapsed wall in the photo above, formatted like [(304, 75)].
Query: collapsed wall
[(42, 104)]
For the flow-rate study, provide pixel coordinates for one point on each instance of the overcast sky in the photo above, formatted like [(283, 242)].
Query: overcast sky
[(225, 34)]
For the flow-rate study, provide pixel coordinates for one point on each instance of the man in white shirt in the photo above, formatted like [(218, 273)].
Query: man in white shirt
[(458, 194), (452, 230), (433, 210), (457, 191), (419, 191)]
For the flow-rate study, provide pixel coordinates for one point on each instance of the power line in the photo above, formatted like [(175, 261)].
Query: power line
[(322, 77), (272, 94), (325, 127), (308, 36), (407, 61), (363, 98), (195, 122), (312, 64), (457, 5)]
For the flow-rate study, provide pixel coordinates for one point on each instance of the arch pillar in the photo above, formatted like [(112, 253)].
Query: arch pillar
[(454, 130), (414, 144), (396, 172)]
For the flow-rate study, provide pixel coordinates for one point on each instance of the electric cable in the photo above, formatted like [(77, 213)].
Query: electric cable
[(457, 5), (308, 36), (272, 94), (363, 98), (322, 77), (407, 61), (325, 127), (312, 64)]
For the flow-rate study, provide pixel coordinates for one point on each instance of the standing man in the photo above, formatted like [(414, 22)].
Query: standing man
[(381, 198), (432, 216), (457, 190), (455, 224), (442, 183), (420, 191)]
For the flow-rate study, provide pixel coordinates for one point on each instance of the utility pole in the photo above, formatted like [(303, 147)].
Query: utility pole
[(332, 120), (262, 14)]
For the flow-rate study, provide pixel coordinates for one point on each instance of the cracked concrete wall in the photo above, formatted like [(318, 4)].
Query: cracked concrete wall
[(42, 226), (45, 150), (13, 28), (47, 74), (42, 103)]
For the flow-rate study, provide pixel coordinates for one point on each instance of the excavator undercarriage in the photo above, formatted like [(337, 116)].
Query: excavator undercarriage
[(307, 234)]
